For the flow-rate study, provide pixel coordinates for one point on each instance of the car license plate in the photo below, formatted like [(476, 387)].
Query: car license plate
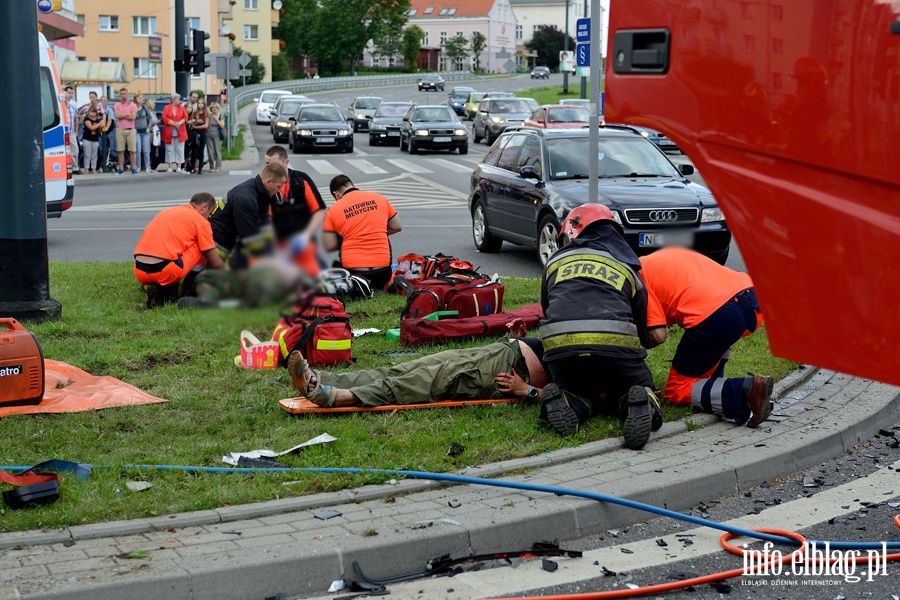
[(328, 140), (669, 238), (441, 139), (666, 143), (393, 133)]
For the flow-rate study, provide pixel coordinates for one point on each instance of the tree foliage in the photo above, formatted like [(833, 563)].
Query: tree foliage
[(479, 43), (281, 67), (258, 69), (342, 29), (412, 42), (455, 48), (547, 42), (295, 26)]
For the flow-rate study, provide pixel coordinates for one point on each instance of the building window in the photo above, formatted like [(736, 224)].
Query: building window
[(143, 26), (777, 46), (777, 82), (251, 32), (251, 4), (459, 64), (425, 39), (109, 59), (750, 44), (429, 10), (443, 12), (518, 32), (460, 34), (451, 12), (144, 69), (391, 61), (411, 13), (746, 11), (777, 12), (442, 63), (81, 58), (80, 19), (109, 23), (443, 38), (190, 23)]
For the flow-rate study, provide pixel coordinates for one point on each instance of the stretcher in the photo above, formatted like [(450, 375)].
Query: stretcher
[(302, 406)]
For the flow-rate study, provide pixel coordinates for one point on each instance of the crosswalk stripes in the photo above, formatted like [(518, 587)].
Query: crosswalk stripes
[(407, 166), (324, 167), (366, 166), (453, 166), (409, 191)]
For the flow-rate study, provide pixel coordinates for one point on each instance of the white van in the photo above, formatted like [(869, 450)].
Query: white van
[(266, 101), (60, 187)]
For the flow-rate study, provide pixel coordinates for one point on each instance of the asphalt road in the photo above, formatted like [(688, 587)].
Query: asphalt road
[(429, 190)]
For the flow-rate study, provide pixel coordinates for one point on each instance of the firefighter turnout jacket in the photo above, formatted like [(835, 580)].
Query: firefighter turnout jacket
[(241, 219), (594, 298)]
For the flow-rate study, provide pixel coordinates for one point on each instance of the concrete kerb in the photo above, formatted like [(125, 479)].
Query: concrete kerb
[(368, 492)]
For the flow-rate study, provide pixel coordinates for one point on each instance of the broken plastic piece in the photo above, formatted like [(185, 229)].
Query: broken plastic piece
[(327, 514), (549, 565), (263, 462), (336, 585), (39, 493), (138, 486)]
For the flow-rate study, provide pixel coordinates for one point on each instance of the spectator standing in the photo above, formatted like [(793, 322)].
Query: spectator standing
[(214, 136), (358, 225), (190, 107), (595, 329), (174, 133), (199, 125), (142, 126), (108, 138), (242, 228), (92, 125), (175, 241), (126, 136), (297, 214), (74, 126)]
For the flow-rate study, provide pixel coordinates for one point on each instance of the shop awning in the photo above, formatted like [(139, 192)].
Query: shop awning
[(79, 71)]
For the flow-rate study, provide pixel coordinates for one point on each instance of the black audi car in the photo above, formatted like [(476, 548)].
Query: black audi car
[(320, 127), (531, 178), (433, 128), (385, 125)]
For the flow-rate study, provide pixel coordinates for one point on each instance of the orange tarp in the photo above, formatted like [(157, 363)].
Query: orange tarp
[(80, 391)]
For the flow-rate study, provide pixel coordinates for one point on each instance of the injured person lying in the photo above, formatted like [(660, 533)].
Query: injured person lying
[(512, 367)]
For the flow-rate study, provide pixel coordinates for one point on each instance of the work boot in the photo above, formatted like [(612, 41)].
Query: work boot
[(297, 367), (152, 290), (656, 409), (639, 420), (556, 408), (759, 399)]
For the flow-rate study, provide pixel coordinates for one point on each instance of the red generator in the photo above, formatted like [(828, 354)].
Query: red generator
[(21, 365)]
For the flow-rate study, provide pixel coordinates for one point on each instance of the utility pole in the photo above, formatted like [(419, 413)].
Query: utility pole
[(583, 78), (182, 75), (566, 49), (24, 267)]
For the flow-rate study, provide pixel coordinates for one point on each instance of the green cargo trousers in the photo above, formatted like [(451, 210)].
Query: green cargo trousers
[(449, 375)]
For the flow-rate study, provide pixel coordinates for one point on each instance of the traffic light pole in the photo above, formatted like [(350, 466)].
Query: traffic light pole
[(182, 76), (24, 267)]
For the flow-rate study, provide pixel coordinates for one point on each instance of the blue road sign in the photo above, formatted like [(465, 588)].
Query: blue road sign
[(45, 6), (583, 55), (583, 30)]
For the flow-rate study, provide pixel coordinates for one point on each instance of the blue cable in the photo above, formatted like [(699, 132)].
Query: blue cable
[(530, 487)]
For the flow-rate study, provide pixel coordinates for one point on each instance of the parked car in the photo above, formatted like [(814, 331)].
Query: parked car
[(499, 95), (457, 99), (473, 100), (530, 179), (559, 116), (495, 115), (540, 73), (276, 108), (320, 126), (433, 128), (264, 102), (432, 82), (533, 104), (281, 123), (385, 126), (584, 102), (362, 110), (665, 143)]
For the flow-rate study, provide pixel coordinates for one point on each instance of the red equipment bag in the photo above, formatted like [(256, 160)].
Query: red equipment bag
[(319, 328), (415, 267), (466, 292), (414, 332)]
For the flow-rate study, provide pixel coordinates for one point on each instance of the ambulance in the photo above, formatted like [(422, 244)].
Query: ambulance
[(59, 186)]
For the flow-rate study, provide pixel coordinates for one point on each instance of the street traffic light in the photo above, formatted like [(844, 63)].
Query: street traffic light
[(198, 62)]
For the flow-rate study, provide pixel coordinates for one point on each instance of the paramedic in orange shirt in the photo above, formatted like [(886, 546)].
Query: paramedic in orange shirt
[(716, 306), (297, 213), (175, 241), (358, 224)]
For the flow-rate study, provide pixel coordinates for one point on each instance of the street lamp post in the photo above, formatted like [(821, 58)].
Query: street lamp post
[(566, 49)]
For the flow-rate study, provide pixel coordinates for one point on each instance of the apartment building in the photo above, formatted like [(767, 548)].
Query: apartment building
[(532, 13), (251, 25)]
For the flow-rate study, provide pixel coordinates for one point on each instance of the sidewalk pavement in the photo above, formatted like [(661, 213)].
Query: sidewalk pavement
[(259, 550), (249, 158)]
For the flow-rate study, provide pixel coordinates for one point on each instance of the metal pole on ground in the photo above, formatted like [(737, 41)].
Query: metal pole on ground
[(566, 49), (24, 267), (182, 78)]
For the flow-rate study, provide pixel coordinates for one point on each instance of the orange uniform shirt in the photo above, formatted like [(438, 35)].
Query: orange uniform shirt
[(173, 231), (684, 287), (360, 219)]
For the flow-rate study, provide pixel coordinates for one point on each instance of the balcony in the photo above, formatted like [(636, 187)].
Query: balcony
[(225, 8), (276, 17)]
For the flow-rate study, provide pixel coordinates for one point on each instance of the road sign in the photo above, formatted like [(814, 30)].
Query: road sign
[(583, 30), (583, 55), (509, 66), (45, 6), (244, 59), (245, 73), (227, 67)]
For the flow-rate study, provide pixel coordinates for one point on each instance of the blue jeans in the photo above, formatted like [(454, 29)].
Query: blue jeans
[(143, 150)]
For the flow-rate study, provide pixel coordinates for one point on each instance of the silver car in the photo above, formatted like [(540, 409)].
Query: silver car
[(495, 115)]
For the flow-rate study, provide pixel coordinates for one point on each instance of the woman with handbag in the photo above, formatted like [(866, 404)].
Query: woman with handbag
[(142, 125), (214, 136), (174, 132), (199, 126)]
